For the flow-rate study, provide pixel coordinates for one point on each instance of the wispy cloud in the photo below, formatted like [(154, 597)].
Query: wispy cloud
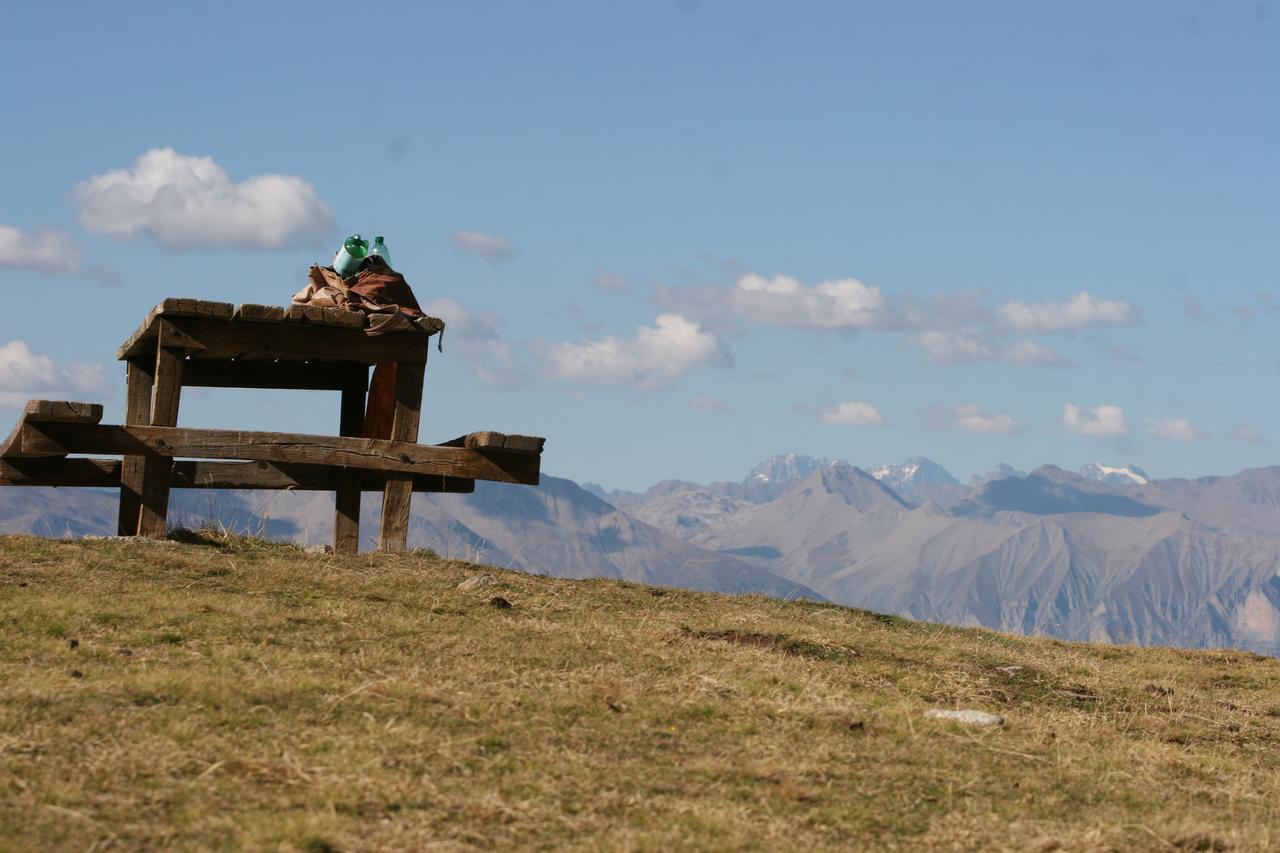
[(707, 403), (1174, 429), (1095, 422), (188, 202), (492, 248), (496, 362), (1248, 434), (1081, 311), (969, 417), (46, 250), (610, 282)]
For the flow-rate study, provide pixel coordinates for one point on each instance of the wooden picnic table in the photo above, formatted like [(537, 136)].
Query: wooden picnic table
[(187, 342)]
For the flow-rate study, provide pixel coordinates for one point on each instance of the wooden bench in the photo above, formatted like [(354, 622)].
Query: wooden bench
[(185, 342)]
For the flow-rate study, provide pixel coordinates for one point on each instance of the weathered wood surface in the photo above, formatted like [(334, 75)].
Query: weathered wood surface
[(324, 316), (288, 341), (397, 497), (139, 375), (166, 392), (368, 453), (296, 375), (489, 440), (248, 319), (346, 509), (199, 474), (250, 313), (66, 411)]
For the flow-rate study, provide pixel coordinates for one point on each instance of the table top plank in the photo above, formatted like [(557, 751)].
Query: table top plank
[(242, 323), (250, 313)]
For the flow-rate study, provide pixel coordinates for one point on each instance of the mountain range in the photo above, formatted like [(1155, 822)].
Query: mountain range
[(1104, 554)]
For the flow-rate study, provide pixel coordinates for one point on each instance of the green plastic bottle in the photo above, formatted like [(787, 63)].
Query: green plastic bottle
[(380, 249), (351, 255)]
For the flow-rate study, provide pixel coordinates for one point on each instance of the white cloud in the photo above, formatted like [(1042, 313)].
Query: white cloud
[(657, 357), (493, 248), (26, 375), (1082, 311), (1096, 422), (1175, 429), (46, 250), (970, 417), (1031, 354), (610, 282), (852, 413), (496, 362), (188, 202), (1248, 435)]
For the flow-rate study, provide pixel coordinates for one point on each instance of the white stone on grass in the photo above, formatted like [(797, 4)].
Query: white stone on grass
[(968, 717)]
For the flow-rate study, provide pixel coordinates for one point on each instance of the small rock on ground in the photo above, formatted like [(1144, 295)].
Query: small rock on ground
[(477, 581), (968, 717)]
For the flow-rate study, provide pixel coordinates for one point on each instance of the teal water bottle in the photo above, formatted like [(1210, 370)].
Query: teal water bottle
[(351, 255), (380, 249)]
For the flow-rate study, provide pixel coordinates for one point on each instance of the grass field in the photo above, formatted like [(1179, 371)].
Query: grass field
[(235, 694)]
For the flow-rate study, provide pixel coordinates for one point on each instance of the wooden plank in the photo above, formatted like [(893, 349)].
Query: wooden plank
[(367, 453), (324, 316), (286, 341), (488, 440), (139, 376), (63, 410), (250, 313), (297, 375), (157, 471), (397, 497), (189, 474), (429, 325), (346, 520), (185, 307)]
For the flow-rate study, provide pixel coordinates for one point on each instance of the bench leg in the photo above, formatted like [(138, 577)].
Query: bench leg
[(398, 493), (157, 471), (346, 519), (139, 377)]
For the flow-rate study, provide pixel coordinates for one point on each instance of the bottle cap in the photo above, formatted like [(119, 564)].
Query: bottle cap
[(377, 239)]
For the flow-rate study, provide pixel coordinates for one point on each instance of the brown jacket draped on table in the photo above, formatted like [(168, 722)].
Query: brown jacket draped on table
[(382, 293)]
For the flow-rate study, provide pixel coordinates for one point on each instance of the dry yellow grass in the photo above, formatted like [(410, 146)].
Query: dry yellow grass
[(235, 694)]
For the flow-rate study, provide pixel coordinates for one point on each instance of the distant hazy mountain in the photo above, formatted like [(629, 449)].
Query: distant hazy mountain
[(1110, 556), (555, 529), (1000, 472), (920, 480), (1126, 476)]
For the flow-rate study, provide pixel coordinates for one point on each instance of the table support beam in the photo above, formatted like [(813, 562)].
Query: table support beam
[(398, 494), (139, 377), (346, 518), (157, 471)]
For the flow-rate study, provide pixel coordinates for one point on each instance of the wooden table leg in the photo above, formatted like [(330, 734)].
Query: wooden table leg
[(346, 519), (398, 493), (139, 376), (158, 470)]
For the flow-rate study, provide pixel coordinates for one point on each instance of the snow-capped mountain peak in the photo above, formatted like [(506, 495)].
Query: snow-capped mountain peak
[(1126, 476), (918, 470), (786, 469)]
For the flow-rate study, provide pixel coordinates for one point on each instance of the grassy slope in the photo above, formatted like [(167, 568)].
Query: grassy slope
[(243, 694)]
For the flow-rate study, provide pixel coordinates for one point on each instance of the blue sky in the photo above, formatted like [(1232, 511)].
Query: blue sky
[(676, 238)]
